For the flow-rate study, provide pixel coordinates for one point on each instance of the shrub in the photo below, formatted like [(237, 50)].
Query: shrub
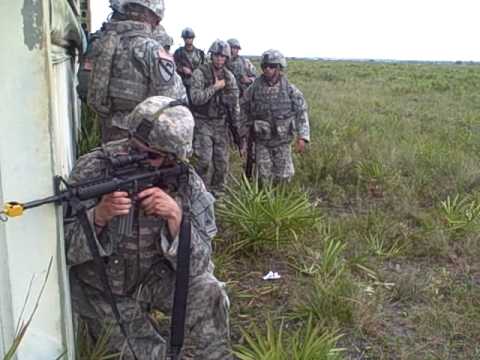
[(307, 343), (266, 217)]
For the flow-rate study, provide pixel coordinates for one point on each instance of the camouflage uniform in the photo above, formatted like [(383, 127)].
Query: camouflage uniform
[(191, 59), (239, 66), (211, 110), (277, 113), (178, 91), (140, 268), (129, 66), (251, 69)]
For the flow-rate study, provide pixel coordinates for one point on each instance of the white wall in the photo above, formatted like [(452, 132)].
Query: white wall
[(30, 119)]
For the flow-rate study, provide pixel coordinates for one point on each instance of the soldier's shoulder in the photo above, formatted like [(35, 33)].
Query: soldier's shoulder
[(257, 82), (229, 73), (196, 183), (179, 50), (93, 163), (146, 42), (89, 166), (293, 89), (200, 51)]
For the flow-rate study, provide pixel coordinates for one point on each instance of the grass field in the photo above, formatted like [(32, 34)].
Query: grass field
[(390, 264), (376, 240)]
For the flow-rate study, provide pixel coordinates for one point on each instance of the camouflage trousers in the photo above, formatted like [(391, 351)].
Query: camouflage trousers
[(206, 328), (210, 147), (273, 163)]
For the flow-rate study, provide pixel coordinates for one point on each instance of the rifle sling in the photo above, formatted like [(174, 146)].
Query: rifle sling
[(177, 326)]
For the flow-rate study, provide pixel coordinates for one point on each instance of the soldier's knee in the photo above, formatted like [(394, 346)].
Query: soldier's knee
[(211, 292)]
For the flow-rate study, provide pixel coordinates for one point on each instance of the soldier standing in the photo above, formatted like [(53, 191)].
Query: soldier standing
[(129, 66), (86, 60), (140, 265), (277, 114), (188, 58), (240, 68), (215, 105)]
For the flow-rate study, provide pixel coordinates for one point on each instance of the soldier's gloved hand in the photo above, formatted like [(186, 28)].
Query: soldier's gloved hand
[(154, 201), (111, 205), (300, 146), (186, 70), (219, 84)]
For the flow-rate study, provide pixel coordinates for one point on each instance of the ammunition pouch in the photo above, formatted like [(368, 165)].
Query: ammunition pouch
[(284, 127), (262, 130)]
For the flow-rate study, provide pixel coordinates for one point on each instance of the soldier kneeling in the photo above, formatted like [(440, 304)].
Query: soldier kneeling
[(140, 264)]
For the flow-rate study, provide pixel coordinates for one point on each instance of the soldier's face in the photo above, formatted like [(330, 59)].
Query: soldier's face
[(271, 71), (235, 51), (218, 60), (155, 158), (188, 42)]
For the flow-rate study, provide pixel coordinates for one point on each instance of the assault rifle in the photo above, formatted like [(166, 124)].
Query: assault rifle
[(128, 175), (234, 130), (132, 175), (250, 154)]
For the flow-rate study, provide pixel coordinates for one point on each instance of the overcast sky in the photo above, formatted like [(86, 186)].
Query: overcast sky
[(364, 29)]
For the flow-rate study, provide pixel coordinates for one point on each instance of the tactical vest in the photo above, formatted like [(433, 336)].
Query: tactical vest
[(273, 114), (215, 108), (196, 59), (268, 107), (128, 85)]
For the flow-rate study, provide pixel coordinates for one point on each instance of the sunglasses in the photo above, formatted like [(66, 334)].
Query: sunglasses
[(270, 66)]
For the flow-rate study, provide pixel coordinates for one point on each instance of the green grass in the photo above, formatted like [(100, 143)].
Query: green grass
[(393, 169)]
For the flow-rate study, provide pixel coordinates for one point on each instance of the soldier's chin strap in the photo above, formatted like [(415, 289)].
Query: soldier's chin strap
[(80, 211)]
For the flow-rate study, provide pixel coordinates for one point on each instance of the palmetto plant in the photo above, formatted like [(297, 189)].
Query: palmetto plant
[(460, 213), (327, 263), (90, 131), (379, 246), (307, 343), (329, 301), (266, 217)]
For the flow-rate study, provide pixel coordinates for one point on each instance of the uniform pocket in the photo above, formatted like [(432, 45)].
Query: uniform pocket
[(262, 129), (284, 127)]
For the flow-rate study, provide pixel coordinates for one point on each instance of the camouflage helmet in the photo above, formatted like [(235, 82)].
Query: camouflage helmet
[(164, 125), (188, 33), (274, 57), (116, 5), (234, 43), (220, 47), (157, 6)]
